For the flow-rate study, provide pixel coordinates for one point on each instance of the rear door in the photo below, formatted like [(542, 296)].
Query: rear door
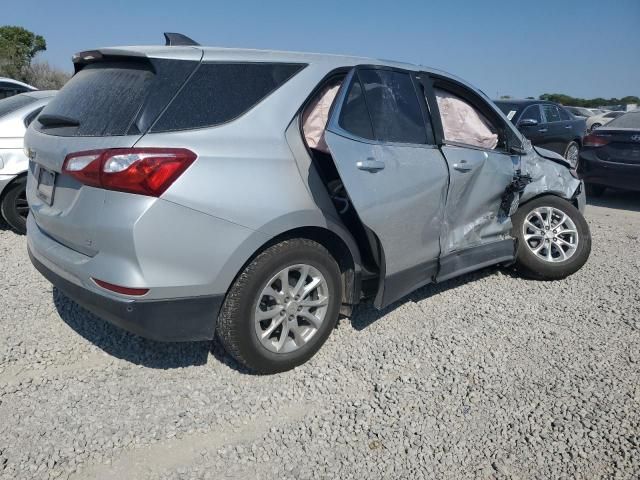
[(382, 143), (556, 134), (109, 103)]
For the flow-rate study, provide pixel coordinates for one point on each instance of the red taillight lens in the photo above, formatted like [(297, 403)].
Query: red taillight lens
[(596, 140), (137, 292), (147, 171)]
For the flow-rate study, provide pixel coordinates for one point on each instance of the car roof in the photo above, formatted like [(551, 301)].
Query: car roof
[(22, 84)]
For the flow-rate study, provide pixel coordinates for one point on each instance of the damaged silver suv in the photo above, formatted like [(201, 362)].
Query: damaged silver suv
[(182, 192)]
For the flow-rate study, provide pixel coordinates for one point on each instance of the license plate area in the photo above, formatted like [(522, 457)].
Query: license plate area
[(46, 185)]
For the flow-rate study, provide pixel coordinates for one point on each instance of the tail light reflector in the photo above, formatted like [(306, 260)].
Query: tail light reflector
[(119, 289), (596, 140), (146, 171)]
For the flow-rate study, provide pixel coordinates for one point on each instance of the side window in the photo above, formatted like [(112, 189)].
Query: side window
[(551, 113), (532, 112), (31, 117), (463, 123), (564, 115), (393, 105), (354, 117)]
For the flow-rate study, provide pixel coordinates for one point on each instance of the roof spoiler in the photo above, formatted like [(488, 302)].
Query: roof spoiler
[(173, 39)]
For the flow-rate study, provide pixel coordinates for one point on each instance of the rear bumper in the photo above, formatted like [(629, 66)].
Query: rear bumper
[(174, 320), (610, 174)]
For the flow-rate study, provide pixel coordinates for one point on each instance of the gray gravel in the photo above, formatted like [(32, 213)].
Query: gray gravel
[(487, 376)]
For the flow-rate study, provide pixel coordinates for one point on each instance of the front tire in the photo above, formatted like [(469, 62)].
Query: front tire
[(282, 307), (14, 206), (553, 238)]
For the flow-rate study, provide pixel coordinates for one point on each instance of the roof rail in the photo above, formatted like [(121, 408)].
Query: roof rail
[(173, 39)]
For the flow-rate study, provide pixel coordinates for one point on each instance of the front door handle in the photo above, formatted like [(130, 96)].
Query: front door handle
[(568, 127), (543, 130), (463, 166), (370, 165)]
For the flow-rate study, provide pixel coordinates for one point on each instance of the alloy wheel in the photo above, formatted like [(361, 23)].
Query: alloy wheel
[(291, 308), (572, 155), (550, 234)]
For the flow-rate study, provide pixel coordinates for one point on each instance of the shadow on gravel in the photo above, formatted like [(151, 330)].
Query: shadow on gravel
[(617, 199), (130, 347), (366, 314)]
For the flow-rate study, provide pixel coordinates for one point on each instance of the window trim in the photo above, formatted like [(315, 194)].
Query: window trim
[(334, 118)]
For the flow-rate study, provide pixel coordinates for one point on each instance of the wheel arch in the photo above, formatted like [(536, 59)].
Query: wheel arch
[(333, 237), (17, 178), (551, 193)]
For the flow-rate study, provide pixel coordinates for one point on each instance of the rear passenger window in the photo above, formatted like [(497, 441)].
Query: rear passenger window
[(551, 113), (564, 115), (354, 117), (393, 105), (221, 92)]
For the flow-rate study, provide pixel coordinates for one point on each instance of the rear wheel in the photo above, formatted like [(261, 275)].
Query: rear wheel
[(282, 307), (572, 153), (14, 206), (553, 238)]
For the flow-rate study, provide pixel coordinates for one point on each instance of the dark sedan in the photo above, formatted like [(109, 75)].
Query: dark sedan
[(610, 156), (547, 125)]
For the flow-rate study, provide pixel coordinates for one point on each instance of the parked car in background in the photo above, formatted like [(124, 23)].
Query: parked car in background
[(580, 111), (610, 156), (16, 113), (597, 121), (257, 194), (547, 125), (9, 87)]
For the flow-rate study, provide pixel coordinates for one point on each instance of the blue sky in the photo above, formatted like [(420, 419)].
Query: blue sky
[(584, 48)]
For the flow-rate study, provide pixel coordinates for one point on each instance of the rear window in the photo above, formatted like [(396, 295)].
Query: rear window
[(628, 120), (220, 92), (112, 98), (8, 105)]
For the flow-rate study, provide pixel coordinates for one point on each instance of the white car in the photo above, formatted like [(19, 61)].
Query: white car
[(10, 87), (16, 113), (599, 120)]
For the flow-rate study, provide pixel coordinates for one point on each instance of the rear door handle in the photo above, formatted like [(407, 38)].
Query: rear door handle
[(370, 165), (568, 127), (543, 130)]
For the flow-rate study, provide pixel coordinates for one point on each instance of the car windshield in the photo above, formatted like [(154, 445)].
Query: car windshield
[(628, 120), (8, 105)]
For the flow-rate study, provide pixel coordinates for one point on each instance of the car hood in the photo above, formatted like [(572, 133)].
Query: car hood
[(553, 156)]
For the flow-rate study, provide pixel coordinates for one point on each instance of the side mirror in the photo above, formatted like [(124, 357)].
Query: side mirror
[(528, 122)]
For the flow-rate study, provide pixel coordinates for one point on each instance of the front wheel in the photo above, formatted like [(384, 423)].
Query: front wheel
[(282, 307), (14, 206), (553, 237)]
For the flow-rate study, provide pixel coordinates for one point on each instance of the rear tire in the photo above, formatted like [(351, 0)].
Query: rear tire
[(14, 207), (540, 240), (260, 345), (595, 190)]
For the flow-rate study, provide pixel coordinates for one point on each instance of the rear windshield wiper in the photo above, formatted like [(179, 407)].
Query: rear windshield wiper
[(52, 120)]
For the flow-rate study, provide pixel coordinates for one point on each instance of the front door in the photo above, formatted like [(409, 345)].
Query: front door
[(383, 146), (476, 231)]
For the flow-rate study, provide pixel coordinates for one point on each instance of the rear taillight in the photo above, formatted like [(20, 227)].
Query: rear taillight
[(596, 140), (135, 292), (147, 171)]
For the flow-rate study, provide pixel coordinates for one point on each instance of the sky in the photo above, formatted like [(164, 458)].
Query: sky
[(583, 48)]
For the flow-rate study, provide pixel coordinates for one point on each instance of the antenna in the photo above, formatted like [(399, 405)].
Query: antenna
[(174, 39)]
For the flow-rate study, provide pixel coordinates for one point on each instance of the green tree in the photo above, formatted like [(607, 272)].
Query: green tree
[(18, 46)]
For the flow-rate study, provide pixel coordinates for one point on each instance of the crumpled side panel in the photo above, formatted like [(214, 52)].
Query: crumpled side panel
[(546, 177), (472, 214)]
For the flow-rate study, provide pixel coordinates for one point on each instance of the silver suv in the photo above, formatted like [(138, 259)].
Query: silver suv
[(182, 192)]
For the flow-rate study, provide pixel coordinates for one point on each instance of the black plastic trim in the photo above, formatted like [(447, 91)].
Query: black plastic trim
[(175, 320), (474, 258)]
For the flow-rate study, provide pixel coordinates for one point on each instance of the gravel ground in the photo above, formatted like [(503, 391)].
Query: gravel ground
[(486, 376)]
